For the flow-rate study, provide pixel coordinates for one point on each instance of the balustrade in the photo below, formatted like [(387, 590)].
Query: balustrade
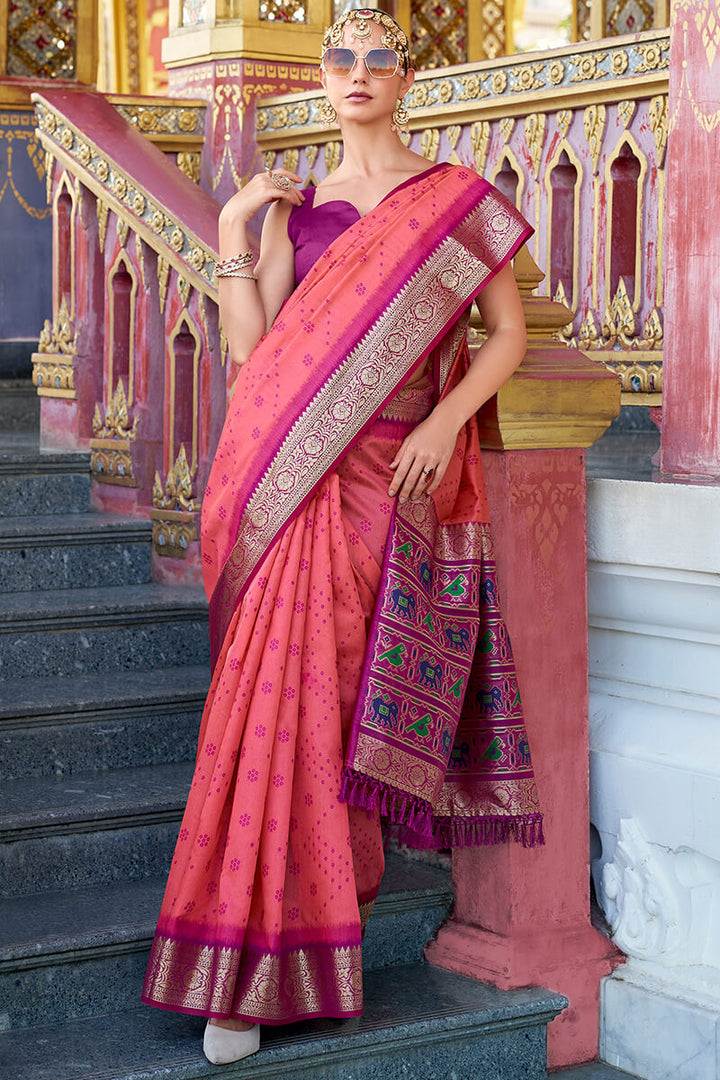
[(132, 365), (576, 139)]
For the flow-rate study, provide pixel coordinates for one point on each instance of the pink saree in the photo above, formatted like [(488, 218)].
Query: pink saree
[(361, 666)]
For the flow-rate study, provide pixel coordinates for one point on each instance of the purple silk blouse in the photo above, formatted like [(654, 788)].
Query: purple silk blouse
[(311, 231)]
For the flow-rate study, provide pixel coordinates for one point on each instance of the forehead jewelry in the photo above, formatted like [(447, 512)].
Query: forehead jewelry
[(393, 36)]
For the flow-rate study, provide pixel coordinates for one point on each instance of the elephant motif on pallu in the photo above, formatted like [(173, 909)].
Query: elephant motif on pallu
[(460, 755), (385, 711), (523, 749), (490, 699), (458, 637), (489, 592), (403, 603), (430, 674)]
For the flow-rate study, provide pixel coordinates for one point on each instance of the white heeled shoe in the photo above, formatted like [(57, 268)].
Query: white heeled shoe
[(223, 1045)]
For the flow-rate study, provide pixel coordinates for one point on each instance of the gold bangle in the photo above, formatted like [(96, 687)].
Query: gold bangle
[(235, 273)]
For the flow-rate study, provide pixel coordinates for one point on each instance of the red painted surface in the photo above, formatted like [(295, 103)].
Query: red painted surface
[(522, 917), (691, 365)]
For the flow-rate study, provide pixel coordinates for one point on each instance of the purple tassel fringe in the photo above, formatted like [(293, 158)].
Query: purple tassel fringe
[(418, 827)]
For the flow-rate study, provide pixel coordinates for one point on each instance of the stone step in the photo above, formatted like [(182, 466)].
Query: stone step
[(86, 631), (19, 406), (73, 551), (34, 481), (78, 952), (57, 727), (60, 833), (419, 1022)]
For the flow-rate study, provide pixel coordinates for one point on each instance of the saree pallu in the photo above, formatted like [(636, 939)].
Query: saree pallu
[(361, 667)]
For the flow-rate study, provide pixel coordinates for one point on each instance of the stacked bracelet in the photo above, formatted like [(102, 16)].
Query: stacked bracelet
[(237, 273), (228, 267)]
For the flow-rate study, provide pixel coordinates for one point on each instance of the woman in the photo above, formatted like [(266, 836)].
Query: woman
[(349, 564)]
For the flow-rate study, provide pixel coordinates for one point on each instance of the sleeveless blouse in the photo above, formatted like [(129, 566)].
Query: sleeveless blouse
[(311, 231)]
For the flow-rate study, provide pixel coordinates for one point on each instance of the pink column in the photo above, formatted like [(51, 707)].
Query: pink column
[(522, 917), (691, 365)]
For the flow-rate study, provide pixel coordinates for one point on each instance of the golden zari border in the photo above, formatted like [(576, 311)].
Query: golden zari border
[(222, 981)]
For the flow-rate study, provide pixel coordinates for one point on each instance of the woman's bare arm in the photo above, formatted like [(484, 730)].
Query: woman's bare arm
[(247, 307), (431, 444)]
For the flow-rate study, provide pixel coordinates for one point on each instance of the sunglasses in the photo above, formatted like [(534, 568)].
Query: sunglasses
[(380, 63)]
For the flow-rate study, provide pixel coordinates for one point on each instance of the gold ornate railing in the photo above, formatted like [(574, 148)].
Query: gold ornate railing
[(576, 138)]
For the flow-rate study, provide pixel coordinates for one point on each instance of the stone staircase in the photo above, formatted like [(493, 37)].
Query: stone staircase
[(102, 680)]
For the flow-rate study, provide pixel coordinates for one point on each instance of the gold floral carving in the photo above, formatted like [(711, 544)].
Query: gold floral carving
[(453, 134), (594, 121), (651, 57), (189, 164), (618, 326), (140, 253), (471, 88), (619, 62), (183, 288), (173, 532), (54, 376), (102, 209), (61, 337), (291, 159), (506, 127), (430, 143), (526, 78), (564, 120), (122, 231), (178, 493), (111, 464), (652, 335), (499, 82), (311, 153), (138, 204), (163, 272), (626, 111), (479, 140), (556, 72), (535, 125), (332, 156), (269, 159), (637, 376), (177, 239), (658, 112), (587, 67), (102, 169), (588, 336), (117, 420)]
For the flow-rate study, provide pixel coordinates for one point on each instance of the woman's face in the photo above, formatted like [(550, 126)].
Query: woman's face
[(359, 97)]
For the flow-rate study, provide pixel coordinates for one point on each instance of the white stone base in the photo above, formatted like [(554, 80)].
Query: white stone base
[(658, 1031)]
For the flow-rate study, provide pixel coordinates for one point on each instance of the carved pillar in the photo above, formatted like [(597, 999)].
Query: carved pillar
[(522, 917), (231, 51), (691, 395)]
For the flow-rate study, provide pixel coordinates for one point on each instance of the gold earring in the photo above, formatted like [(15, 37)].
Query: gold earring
[(328, 116), (400, 118)]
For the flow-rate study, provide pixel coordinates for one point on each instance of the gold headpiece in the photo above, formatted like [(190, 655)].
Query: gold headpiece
[(393, 37)]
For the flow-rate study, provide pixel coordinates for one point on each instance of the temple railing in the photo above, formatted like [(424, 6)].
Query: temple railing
[(132, 363), (576, 139)]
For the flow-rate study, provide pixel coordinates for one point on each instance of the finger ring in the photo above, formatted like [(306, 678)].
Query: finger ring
[(281, 182), (429, 469)]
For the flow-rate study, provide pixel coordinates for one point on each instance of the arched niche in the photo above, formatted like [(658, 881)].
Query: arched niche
[(625, 171)]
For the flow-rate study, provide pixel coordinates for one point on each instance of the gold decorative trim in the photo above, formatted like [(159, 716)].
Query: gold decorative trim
[(163, 272), (117, 420), (190, 164), (61, 337), (108, 181), (111, 462), (178, 492), (480, 140), (173, 532), (534, 138), (430, 143), (54, 375), (508, 155)]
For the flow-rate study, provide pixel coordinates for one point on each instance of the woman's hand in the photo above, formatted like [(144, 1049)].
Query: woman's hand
[(421, 461), (258, 192)]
